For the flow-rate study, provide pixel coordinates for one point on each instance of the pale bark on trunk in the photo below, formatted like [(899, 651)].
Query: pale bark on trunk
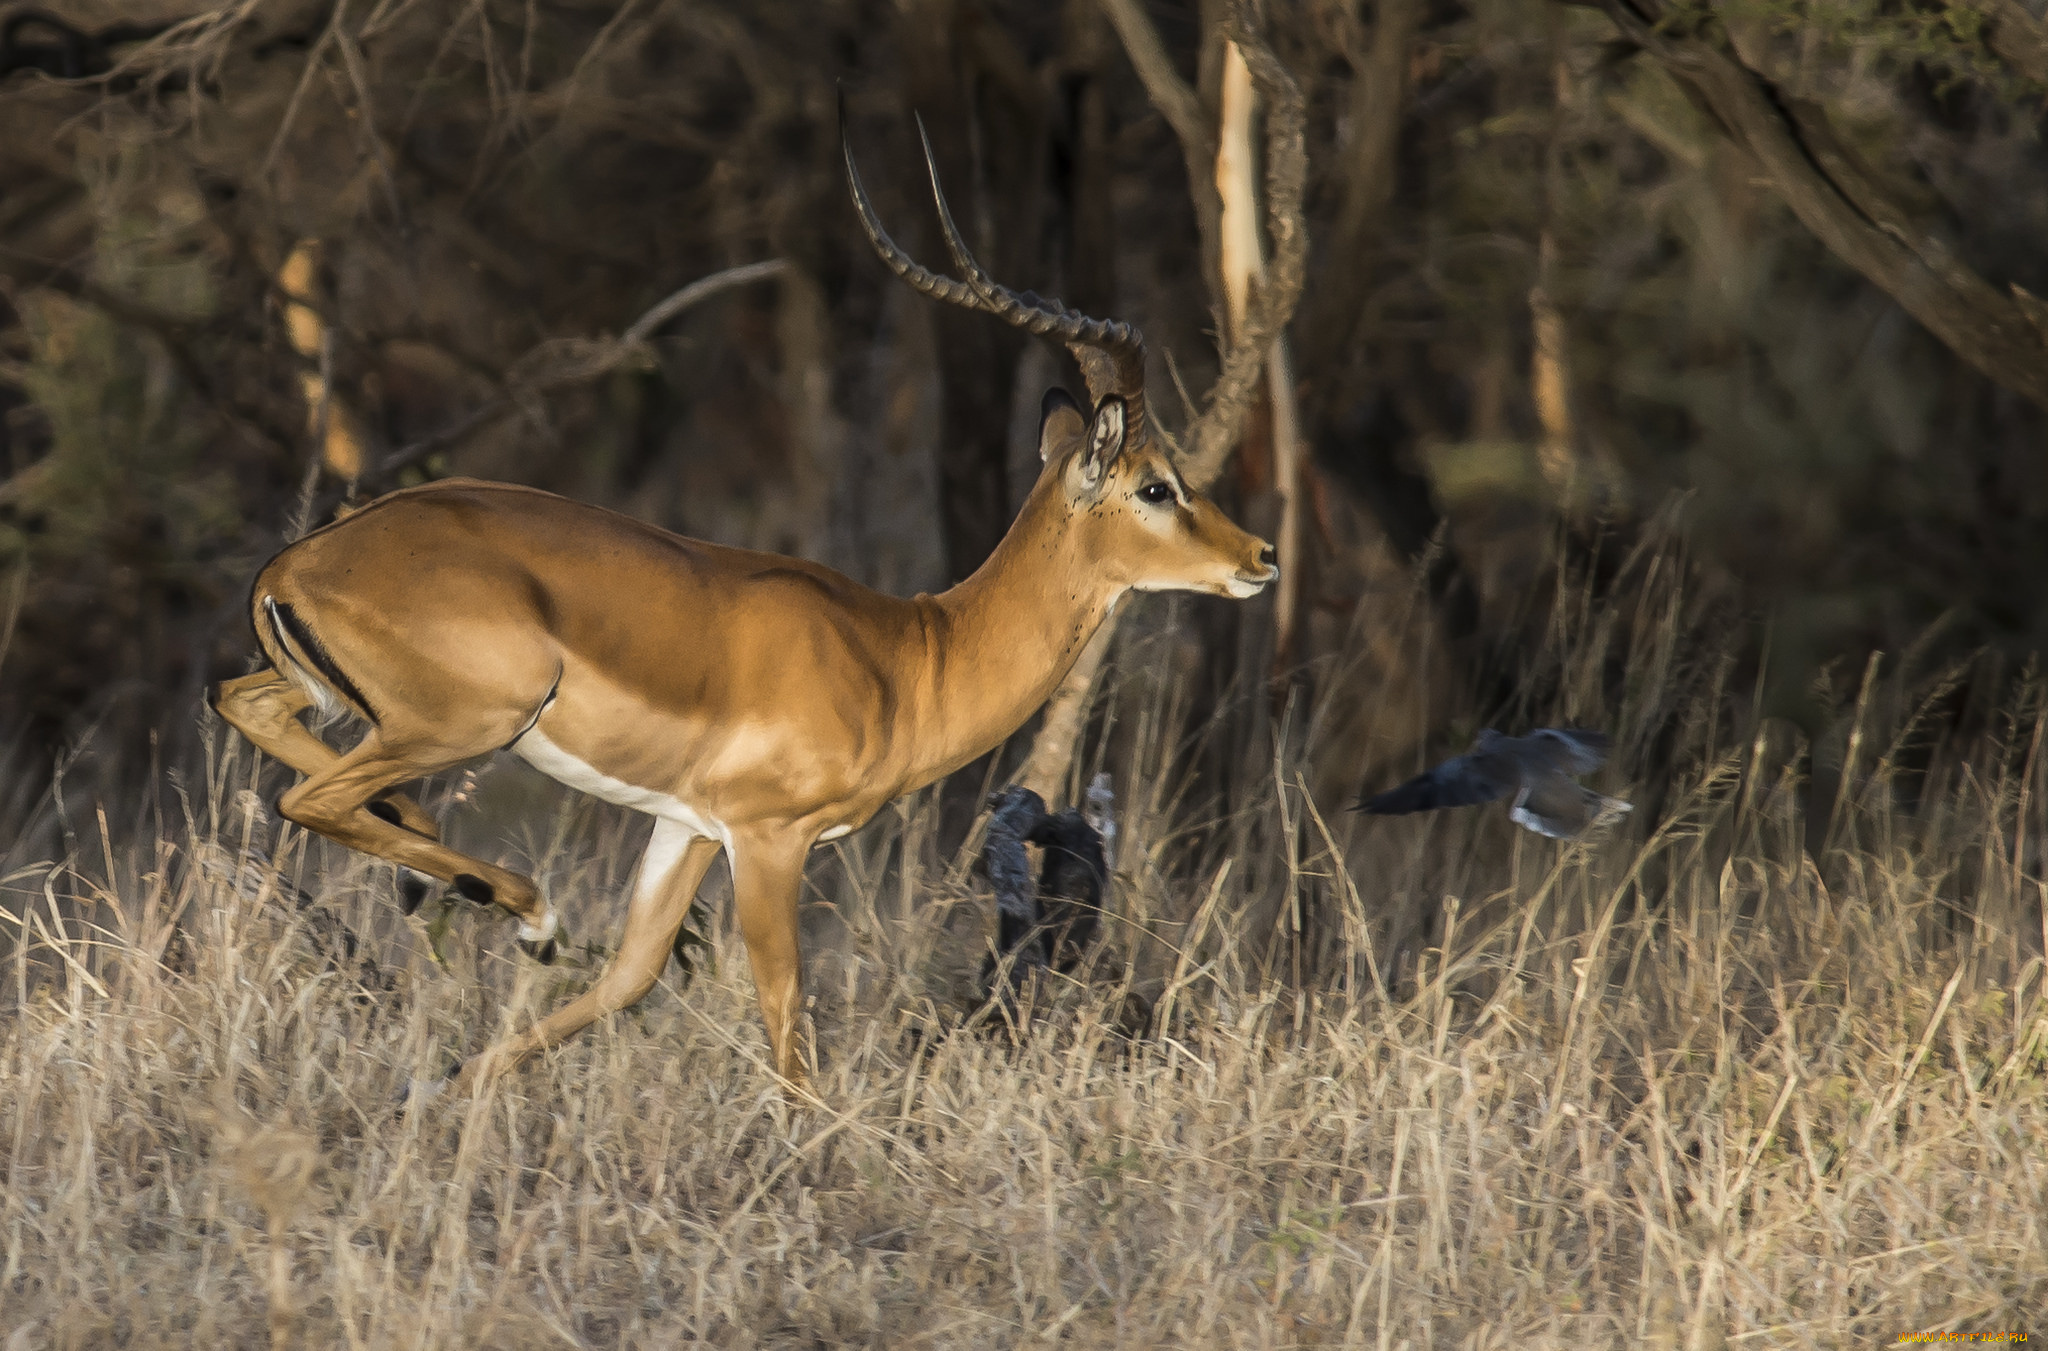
[(1253, 328), (1243, 262), (329, 422)]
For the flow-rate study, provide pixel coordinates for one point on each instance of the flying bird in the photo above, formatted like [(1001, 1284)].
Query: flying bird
[(1050, 923), (1538, 770)]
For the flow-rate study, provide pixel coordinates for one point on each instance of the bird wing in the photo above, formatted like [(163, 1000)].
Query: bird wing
[(1484, 775), (1572, 750), (1016, 813), (1553, 805), (1017, 808)]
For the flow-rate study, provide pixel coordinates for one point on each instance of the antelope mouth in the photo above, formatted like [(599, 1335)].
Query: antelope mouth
[(1250, 583)]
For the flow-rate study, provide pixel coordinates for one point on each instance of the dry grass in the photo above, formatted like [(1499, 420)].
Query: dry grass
[(1690, 1086)]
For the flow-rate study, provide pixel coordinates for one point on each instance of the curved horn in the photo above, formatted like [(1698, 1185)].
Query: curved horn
[(1028, 310), (1111, 353), (922, 279)]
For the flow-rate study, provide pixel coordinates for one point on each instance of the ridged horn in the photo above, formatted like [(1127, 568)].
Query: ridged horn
[(1111, 353)]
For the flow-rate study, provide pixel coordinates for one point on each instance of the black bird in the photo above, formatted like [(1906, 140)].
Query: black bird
[(1052, 923), (1538, 770)]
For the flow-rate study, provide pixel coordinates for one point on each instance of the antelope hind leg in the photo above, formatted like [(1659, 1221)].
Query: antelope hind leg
[(265, 708), (333, 802)]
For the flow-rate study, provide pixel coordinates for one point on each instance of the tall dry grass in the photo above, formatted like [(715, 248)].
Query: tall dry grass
[(1740, 1074)]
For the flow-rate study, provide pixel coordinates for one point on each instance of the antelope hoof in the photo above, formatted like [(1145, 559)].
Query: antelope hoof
[(412, 891), (686, 939), (538, 940)]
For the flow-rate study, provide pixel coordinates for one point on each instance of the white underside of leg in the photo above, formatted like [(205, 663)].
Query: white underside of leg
[(543, 931), (665, 849)]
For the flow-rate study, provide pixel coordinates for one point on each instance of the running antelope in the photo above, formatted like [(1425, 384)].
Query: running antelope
[(747, 701)]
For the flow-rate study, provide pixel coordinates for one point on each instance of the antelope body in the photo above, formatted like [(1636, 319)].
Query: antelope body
[(748, 701)]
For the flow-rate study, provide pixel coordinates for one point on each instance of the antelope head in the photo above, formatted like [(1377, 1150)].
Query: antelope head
[(1132, 518)]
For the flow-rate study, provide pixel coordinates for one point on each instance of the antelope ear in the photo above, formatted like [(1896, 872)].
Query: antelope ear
[(1060, 420), (1105, 440)]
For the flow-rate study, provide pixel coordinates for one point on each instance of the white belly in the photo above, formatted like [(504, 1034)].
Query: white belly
[(551, 760)]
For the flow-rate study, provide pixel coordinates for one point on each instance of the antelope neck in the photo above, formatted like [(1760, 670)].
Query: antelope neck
[(998, 643)]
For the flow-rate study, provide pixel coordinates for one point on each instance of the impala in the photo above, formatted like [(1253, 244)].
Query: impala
[(747, 701)]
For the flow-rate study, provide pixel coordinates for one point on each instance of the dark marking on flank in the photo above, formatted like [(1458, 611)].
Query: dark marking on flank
[(534, 721), (385, 812), (474, 888), (543, 607), (288, 624)]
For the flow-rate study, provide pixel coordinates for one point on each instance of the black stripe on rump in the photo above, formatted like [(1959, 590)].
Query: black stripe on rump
[(288, 624)]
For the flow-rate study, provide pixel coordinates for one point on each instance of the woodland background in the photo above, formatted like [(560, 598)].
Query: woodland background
[(1675, 369), (1756, 277)]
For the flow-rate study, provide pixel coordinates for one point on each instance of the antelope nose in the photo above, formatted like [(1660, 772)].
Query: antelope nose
[(1269, 556)]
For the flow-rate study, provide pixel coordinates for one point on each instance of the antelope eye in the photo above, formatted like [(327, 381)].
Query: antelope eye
[(1158, 494)]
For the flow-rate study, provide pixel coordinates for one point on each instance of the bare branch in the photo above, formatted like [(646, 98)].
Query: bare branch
[(1182, 108), (1066, 713), (291, 109), (1170, 94), (1244, 263), (1837, 197), (567, 361)]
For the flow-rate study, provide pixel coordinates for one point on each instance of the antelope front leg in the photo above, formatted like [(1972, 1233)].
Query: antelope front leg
[(670, 872), (767, 877)]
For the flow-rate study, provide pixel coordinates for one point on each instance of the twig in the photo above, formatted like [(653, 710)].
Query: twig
[(1169, 93), (701, 289), (566, 361), (1184, 112), (291, 109)]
